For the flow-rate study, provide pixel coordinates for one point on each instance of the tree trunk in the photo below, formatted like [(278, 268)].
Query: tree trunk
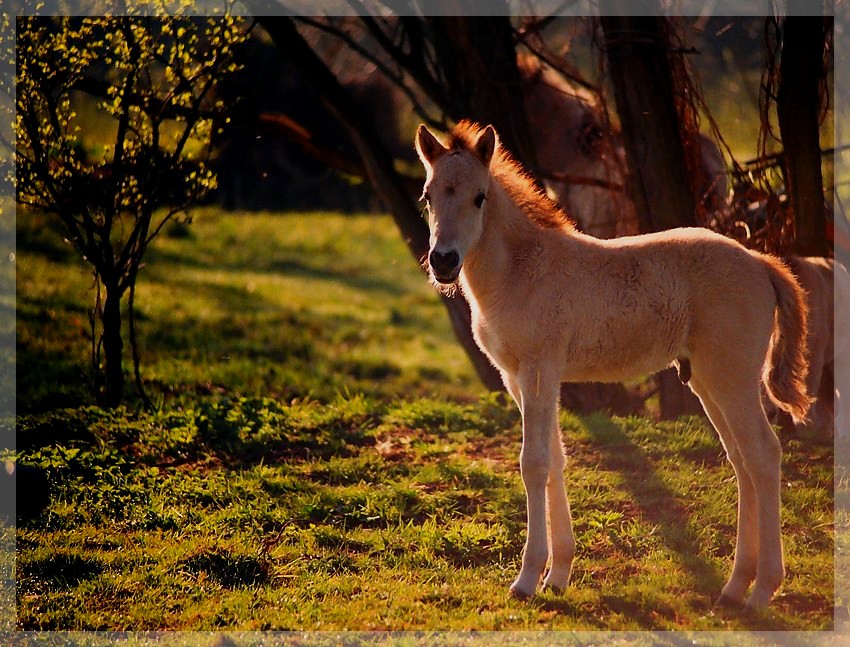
[(798, 110), (674, 398), (477, 57), (637, 51), (379, 166), (113, 345)]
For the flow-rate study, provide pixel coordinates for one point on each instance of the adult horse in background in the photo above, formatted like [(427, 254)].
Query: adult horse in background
[(582, 159), (827, 286), (550, 304)]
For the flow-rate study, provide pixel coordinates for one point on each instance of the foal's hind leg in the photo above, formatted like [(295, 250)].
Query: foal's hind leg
[(747, 542), (761, 455)]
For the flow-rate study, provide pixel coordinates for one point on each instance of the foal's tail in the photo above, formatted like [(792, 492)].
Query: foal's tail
[(785, 372)]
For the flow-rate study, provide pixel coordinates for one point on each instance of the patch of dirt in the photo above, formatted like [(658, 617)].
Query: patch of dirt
[(396, 445)]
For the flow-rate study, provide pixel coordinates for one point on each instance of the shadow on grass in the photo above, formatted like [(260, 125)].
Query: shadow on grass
[(231, 571), (54, 370), (763, 620), (659, 504), (238, 329), (50, 380), (357, 279), (59, 571)]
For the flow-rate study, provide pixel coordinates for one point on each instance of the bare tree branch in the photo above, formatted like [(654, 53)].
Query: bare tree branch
[(396, 78)]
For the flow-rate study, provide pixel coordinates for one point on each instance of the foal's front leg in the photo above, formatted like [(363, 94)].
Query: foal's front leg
[(539, 405), (563, 543)]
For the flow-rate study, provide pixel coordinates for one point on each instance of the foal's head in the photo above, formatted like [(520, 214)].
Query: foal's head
[(456, 185)]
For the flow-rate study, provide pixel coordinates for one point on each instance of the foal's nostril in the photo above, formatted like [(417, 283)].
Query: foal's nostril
[(444, 263)]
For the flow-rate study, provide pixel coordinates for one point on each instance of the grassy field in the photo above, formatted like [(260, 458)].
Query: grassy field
[(322, 458)]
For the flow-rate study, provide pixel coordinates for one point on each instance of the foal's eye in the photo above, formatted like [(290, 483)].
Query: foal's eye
[(479, 200)]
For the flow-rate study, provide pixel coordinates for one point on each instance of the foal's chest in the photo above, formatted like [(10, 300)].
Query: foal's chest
[(495, 339)]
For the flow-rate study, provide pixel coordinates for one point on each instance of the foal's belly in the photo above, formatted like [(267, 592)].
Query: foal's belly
[(611, 369), (583, 356)]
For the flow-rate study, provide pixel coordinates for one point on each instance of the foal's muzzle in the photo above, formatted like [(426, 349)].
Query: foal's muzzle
[(444, 266)]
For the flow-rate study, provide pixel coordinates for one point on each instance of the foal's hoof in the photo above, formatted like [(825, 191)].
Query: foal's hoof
[(727, 602), (758, 601), (519, 593), (557, 580)]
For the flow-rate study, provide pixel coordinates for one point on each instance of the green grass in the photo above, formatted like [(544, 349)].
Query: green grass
[(279, 306), (323, 459)]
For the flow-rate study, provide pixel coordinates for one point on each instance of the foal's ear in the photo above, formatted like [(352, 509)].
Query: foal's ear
[(485, 145), (428, 146)]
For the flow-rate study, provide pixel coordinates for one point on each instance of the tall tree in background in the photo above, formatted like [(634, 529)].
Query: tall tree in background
[(800, 110), (637, 55), (477, 63), (154, 79)]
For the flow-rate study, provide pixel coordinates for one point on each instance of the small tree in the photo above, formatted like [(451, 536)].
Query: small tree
[(153, 82)]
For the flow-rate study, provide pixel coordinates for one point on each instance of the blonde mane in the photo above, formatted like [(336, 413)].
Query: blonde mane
[(514, 179)]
